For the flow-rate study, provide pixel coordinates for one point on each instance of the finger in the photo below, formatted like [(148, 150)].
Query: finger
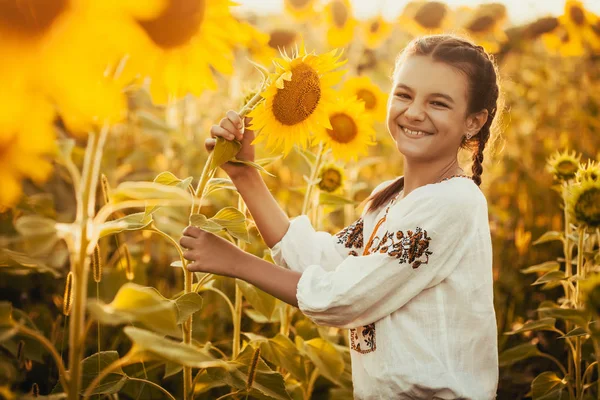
[(209, 144), (194, 266), (248, 123), (187, 242), (235, 119), (192, 231), (190, 255), (218, 131), (229, 127)]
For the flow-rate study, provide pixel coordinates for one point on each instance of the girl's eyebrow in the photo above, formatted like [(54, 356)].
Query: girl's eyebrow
[(442, 95)]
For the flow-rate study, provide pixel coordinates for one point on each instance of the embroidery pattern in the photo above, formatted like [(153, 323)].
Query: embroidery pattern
[(409, 247), (352, 236), (363, 339)]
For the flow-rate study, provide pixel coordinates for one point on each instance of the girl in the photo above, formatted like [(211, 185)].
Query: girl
[(412, 278)]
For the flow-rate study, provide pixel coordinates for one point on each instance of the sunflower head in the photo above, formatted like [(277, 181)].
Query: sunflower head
[(297, 99), (590, 290), (583, 202), (364, 89), (331, 177), (590, 170), (350, 131), (424, 17), (300, 9), (563, 165), (575, 12), (431, 14), (341, 23), (376, 31)]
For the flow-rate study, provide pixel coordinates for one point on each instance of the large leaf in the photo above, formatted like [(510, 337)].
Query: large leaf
[(334, 200), (518, 353), (224, 151), (168, 179), (229, 218), (138, 304), (544, 324), (552, 276), (579, 317), (548, 386), (550, 236), (187, 305), (149, 191), (7, 324), (260, 300), (215, 184), (113, 381), (548, 266), (130, 222), (16, 263), (150, 346), (325, 357), (281, 351), (34, 225), (267, 384)]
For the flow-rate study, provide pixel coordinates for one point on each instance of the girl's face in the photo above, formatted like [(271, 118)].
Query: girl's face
[(427, 111)]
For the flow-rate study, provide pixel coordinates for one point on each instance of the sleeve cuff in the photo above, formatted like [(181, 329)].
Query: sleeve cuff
[(288, 251)]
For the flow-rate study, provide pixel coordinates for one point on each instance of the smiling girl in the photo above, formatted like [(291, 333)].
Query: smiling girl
[(411, 278)]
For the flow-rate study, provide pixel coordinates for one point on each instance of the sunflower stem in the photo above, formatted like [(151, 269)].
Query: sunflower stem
[(313, 176), (237, 323)]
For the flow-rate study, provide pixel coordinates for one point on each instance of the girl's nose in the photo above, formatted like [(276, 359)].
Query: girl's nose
[(414, 112)]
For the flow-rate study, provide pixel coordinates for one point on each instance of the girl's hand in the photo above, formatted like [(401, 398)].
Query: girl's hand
[(229, 128), (210, 253)]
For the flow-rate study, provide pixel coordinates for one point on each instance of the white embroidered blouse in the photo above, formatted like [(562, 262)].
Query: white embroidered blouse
[(417, 299)]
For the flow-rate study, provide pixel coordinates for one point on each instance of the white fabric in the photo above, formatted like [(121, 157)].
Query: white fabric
[(417, 331)]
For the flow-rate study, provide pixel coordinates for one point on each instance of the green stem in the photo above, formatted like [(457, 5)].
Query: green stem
[(155, 385), (62, 373), (187, 335), (231, 308), (580, 275), (313, 176), (115, 365), (237, 322), (311, 384)]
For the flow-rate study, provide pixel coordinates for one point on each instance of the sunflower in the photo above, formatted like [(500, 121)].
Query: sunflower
[(425, 17), (583, 202), (351, 130), (485, 26), (297, 100), (26, 139), (258, 44), (576, 31), (376, 30), (364, 89), (300, 9), (341, 23), (563, 166), (73, 40), (331, 177), (589, 170), (179, 47)]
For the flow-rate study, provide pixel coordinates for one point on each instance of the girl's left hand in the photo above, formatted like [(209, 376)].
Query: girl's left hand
[(210, 253)]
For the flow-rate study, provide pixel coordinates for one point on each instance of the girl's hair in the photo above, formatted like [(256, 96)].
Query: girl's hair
[(481, 71)]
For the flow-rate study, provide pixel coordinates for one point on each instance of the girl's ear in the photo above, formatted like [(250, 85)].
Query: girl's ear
[(475, 122)]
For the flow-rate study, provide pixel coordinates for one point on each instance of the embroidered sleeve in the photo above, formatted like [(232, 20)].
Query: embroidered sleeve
[(351, 237), (418, 248)]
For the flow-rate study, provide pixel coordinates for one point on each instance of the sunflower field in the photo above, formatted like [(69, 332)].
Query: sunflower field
[(104, 109)]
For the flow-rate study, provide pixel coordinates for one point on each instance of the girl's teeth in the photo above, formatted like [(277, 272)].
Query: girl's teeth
[(413, 133)]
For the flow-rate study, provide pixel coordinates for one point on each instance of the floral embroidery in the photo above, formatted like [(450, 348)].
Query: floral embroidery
[(352, 236), (409, 247), (363, 339)]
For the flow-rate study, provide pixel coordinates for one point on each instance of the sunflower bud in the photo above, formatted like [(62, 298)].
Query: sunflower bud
[(583, 202), (588, 171), (332, 178), (564, 165)]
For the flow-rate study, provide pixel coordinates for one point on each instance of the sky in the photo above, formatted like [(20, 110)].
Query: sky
[(519, 11)]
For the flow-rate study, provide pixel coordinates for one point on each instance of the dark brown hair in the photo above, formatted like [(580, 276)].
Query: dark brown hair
[(481, 71)]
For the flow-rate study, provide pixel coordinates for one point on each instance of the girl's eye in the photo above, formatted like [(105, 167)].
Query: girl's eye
[(402, 95), (440, 104)]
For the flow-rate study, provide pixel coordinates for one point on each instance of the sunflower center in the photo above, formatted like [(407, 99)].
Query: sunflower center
[(368, 97), (596, 27), (374, 27), (587, 208), (177, 24), (299, 97), (298, 3), (543, 25), (577, 15), (31, 18), (481, 24), (431, 14), (340, 13), (344, 128), (281, 38), (331, 180), (566, 169)]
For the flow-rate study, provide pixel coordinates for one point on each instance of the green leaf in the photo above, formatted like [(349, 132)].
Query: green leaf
[(204, 223), (187, 305), (288, 356), (550, 236), (547, 266), (229, 218), (253, 165), (260, 300), (111, 383), (172, 369), (267, 384), (334, 200), (325, 357), (544, 324), (34, 225), (16, 263), (259, 318), (551, 276), (168, 179), (151, 121), (263, 162), (138, 304), (150, 346), (224, 151), (131, 222), (579, 331), (7, 324), (215, 184), (548, 386), (578, 317), (149, 191), (518, 353), (308, 155)]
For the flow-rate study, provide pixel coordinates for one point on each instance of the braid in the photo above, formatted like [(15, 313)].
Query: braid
[(484, 135)]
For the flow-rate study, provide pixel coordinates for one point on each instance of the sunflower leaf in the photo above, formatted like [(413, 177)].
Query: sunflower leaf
[(252, 164), (224, 151)]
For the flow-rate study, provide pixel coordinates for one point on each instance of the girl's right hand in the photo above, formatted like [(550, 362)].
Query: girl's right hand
[(229, 128)]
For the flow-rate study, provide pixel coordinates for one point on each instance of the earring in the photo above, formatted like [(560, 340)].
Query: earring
[(468, 136)]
